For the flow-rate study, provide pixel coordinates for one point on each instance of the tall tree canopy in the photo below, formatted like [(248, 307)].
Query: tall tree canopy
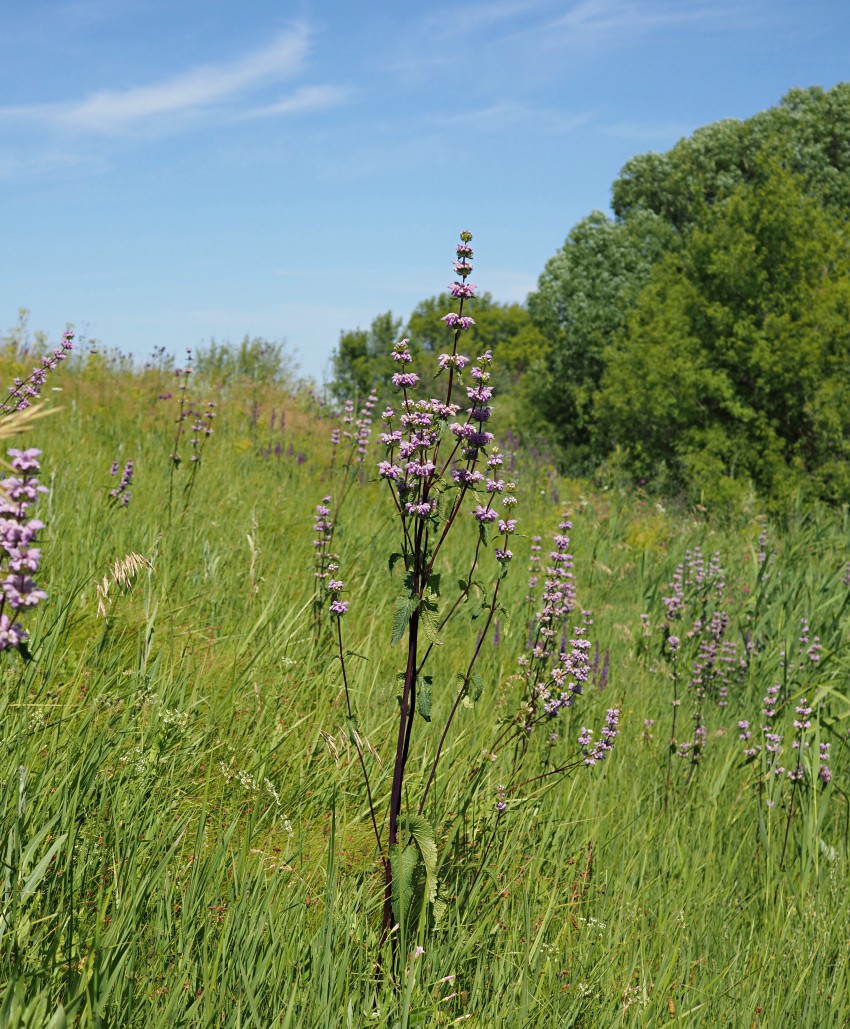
[(581, 300), (701, 333), (733, 366)]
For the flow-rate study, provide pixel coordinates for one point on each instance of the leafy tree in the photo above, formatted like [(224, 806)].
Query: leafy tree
[(257, 359), (732, 367), (809, 132), (581, 300), (362, 360)]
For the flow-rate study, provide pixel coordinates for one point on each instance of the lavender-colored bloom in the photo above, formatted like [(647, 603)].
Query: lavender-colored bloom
[(464, 477), (463, 290), (500, 798), (121, 494), (484, 514), (12, 634), (825, 772), (457, 322), (339, 607), (24, 391), (18, 589), (423, 509), (405, 379), (452, 360), (389, 471)]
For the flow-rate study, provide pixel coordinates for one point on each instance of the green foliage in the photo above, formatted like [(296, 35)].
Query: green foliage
[(730, 371), (698, 340), (257, 360), (581, 301), (362, 359), (505, 329), (809, 131)]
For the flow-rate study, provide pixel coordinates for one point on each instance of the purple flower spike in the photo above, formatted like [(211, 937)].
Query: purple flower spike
[(18, 560)]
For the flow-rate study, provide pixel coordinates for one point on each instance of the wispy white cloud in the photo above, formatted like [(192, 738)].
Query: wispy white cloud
[(599, 22), (504, 115), (31, 166), (184, 95), (477, 17), (307, 98)]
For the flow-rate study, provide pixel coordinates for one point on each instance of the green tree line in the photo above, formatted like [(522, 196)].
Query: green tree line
[(697, 339)]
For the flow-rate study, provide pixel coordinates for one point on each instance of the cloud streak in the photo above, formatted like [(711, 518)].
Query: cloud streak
[(307, 98), (599, 22), (503, 115), (187, 94)]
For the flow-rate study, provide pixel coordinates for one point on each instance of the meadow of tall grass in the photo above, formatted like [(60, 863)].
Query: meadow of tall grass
[(186, 835)]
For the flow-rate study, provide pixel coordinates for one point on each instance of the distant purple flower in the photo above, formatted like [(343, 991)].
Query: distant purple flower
[(121, 493), (501, 804), (24, 391)]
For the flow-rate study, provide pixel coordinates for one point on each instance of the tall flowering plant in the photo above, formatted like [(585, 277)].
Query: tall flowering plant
[(442, 470), (20, 558), (349, 447)]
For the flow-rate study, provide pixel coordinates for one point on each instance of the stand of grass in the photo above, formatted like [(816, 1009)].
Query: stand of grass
[(185, 840)]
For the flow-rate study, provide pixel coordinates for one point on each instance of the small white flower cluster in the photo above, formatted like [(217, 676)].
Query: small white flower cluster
[(135, 760), (174, 716), (594, 925), (251, 784)]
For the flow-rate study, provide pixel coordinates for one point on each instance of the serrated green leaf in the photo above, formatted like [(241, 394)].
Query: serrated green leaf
[(505, 620), (476, 687), (423, 836), (423, 696), (394, 558), (430, 625), (403, 865), (404, 608), (434, 582)]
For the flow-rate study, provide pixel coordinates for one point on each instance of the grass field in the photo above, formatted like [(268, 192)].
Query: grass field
[(186, 838)]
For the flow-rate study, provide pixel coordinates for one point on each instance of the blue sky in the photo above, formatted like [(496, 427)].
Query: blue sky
[(173, 171)]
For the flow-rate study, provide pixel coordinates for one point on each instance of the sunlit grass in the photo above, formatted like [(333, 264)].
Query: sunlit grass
[(185, 837)]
